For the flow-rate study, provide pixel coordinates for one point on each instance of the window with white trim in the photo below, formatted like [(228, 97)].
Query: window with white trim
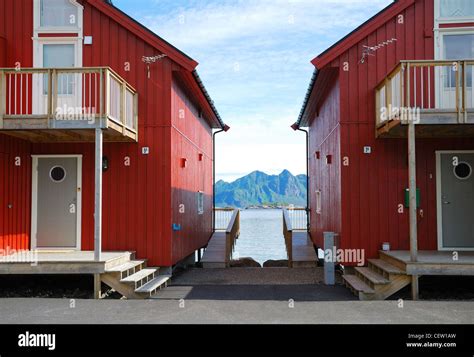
[(449, 9), (58, 13)]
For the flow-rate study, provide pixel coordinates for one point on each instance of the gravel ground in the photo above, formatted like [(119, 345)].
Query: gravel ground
[(255, 283), (250, 276)]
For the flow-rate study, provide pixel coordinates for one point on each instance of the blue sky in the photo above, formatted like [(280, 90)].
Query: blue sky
[(254, 58)]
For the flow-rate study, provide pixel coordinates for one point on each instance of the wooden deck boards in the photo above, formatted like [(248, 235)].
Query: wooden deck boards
[(435, 262), (215, 253), (303, 249), (61, 262)]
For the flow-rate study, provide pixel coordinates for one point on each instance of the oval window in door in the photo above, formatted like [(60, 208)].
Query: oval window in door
[(463, 171), (57, 174)]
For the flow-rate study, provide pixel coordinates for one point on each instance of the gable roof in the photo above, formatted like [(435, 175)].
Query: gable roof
[(179, 57), (357, 35)]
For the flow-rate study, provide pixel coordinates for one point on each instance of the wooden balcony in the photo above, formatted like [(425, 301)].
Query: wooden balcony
[(437, 95), (67, 105)]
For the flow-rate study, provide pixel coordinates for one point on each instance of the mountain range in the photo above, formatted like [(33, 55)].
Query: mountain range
[(260, 189)]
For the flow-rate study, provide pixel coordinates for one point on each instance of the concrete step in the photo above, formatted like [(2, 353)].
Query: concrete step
[(385, 266), (140, 278), (372, 276), (152, 286), (128, 269)]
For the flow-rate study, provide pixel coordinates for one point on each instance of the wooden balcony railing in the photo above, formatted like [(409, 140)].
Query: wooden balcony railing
[(428, 92), (67, 98)]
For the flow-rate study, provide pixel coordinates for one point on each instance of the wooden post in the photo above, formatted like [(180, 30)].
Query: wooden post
[(97, 287), (329, 267), (464, 92), (99, 138), (413, 202)]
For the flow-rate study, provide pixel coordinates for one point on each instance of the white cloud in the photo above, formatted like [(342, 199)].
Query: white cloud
[(255, 62)]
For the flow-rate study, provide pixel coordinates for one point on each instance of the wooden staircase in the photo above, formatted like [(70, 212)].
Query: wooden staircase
[(380, 280), (134, 280)]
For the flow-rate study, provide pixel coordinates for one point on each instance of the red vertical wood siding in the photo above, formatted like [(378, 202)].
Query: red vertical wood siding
[(138, 200), (325, 140), (15, 194), (373, 185), (190, 137)]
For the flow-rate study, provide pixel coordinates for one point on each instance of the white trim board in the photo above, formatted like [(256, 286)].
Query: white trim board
[(439, 200), (34, 202)]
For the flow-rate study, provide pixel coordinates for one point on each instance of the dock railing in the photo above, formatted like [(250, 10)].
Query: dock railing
[(298, 218), (288, 235), (228, 220)]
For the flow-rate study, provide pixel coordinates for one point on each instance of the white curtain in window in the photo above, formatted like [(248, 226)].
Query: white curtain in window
[(58, 13), (457, 8)]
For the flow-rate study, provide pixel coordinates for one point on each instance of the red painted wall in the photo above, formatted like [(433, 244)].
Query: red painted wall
[(372, 186), (137, 200), (191, 139), (324, 134)]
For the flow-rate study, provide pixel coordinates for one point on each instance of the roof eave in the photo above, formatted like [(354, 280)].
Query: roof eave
[(360, 32), (161, 44), (301, 122), (209, 100)]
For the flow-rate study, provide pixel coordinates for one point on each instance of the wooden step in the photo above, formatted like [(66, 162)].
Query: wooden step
[(128, 269), (385, 266), (374, 277), (357, 284), (140, 278), (152, 286), (385, 256)]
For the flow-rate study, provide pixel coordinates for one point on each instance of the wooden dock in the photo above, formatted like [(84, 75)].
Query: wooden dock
[(218, 252), (304, 255), (215, 255), (299, 246)]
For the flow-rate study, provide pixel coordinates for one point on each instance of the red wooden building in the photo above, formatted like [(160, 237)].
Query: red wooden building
[(417, 56), (100, 117)]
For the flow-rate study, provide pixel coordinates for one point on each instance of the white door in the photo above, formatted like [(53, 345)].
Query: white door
[(455, 46), (57, 54), (56, 202), (455, 200)]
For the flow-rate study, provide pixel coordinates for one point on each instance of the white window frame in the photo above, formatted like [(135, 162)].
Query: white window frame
[(447, 20), (38, 63), (66, 29), (439, 198), (440, 33)]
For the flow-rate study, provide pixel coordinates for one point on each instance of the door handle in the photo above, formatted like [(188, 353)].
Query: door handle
[(446, 202)]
